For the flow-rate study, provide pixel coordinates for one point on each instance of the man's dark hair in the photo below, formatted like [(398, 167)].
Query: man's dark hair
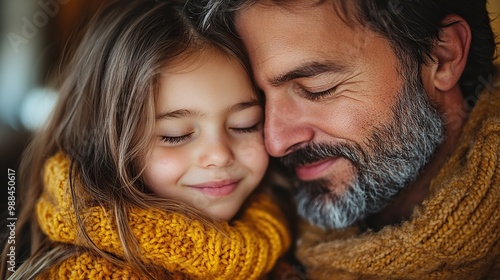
[(411, 26)]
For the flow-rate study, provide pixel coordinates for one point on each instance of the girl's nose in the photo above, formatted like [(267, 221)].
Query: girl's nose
[(217, 153)]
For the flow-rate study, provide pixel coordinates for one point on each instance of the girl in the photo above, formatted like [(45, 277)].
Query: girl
[(152, 150)]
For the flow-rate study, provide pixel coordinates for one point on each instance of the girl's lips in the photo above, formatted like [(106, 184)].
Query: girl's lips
[(313, 171), (217, 188)]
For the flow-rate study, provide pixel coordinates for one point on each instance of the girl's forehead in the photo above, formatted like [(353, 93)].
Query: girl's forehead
[(191, 59), (205, 75)]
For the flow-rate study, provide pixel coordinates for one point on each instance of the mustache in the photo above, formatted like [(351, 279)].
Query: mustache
[(315, 152)]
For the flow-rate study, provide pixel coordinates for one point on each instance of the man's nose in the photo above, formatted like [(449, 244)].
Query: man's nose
[(284, 128)]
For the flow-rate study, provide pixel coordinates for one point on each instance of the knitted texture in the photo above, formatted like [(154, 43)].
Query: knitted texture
[(454, 234), (247, 249)]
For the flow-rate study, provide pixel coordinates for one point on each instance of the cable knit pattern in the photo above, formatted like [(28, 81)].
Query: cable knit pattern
[(248, 249), (454, 234)]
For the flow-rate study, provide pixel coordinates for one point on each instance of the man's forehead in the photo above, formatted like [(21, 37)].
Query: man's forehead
[(272, 31), (282, 44)]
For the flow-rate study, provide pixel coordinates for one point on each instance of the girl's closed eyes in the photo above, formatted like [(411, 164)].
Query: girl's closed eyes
[(181, 130)]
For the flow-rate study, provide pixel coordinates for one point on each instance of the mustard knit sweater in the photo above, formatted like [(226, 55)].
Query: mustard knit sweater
[(454, 234), (248, 249)]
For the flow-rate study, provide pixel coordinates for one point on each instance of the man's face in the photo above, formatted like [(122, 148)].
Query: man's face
[(338, 113)]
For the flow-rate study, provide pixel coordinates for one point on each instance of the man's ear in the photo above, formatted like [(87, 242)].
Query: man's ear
[(450, 52)]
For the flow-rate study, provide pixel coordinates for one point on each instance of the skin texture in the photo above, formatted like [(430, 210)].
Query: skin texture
[(208, 147), (329, 82)]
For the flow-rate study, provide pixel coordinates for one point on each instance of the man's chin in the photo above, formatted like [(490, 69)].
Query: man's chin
[(329, 186), (327, 208)]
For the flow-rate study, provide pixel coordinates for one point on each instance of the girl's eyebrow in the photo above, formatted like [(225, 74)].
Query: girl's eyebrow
[(183, 113), (244, 105)]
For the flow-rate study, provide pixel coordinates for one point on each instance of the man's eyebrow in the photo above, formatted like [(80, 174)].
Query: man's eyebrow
[(309, 70)]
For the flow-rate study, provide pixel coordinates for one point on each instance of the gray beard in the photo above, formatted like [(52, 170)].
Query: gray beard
[(390, 159)]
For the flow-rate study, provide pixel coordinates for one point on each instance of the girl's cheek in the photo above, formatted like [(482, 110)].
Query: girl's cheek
[(255, 156), (253, 148)]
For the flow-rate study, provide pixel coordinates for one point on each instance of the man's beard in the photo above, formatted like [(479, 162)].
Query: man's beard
[(385, 163)]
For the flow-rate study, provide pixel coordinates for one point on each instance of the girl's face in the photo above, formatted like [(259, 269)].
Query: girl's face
[(208, 144)]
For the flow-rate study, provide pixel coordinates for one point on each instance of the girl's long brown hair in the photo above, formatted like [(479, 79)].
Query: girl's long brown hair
[(104, 122)]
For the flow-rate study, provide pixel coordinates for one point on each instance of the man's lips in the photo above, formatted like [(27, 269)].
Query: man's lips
[(217, 188), (315, 170)]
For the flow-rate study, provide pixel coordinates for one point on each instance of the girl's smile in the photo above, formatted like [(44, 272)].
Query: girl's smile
[(217, 188)]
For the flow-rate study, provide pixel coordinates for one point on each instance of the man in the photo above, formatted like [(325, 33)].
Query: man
[(386, 115)]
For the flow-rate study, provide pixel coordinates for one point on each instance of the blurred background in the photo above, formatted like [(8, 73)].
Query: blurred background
[(33, 36)]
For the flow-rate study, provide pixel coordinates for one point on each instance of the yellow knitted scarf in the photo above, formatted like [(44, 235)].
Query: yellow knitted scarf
[(248, 248), (454, 234)]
